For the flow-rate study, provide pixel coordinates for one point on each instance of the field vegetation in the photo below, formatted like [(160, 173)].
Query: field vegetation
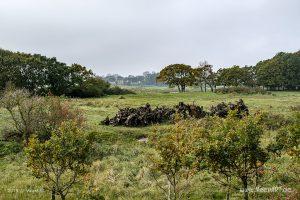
[(135, 163), (227, 134)]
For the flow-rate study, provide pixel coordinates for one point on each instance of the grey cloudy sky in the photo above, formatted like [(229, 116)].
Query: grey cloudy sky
[(133, 36)]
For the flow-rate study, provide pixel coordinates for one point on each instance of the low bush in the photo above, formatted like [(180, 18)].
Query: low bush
[(288, 138), (273, 121), (36, 115), (116, 90), (96, 87), (7, 148), (93, 87), (242, 90), (11, 135)]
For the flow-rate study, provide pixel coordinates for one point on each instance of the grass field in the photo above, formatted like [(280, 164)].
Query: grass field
[(121, 171)]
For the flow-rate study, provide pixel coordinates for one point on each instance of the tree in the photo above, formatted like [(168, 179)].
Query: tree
[(61, 160), (179, 75), (175, 159), (232, 76), (204, 75), (233, 148), (280, 72), (41, 75)]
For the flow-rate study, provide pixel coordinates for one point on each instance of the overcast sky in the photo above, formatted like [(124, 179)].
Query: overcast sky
[(133, 36)]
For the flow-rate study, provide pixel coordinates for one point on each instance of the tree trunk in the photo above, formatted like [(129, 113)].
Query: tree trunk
[(179, 89), (204, 86), (245, 184), (62, 196), (53, 194), (228, 195), (211, 88), (182, 88), (228, 188)]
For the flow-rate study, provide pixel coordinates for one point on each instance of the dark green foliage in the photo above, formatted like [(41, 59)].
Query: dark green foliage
[(116, 90), (280, 72), (236, 76), (7, 148), (92, 87), (42, 76), (288, 138), (11, 135)]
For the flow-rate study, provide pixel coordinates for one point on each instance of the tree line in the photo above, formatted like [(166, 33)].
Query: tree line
[(42, 75), (282, 72)]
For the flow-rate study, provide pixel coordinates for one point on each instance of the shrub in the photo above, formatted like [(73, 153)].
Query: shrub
[(36, 115), (273, 121), (242, 90), (175, 160), (61, 160), (233, 148), (11, 135), (7, 148), (22, 109), (288, 138), (116, 90), (92, 87)]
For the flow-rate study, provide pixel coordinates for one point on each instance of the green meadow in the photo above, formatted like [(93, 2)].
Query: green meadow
[(120, 170)]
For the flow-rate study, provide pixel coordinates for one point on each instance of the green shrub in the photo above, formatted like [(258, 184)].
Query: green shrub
[(61, 160), (116, 90), (93, 87), (273, 121), (11, 135), (7, 148), (288, 138)]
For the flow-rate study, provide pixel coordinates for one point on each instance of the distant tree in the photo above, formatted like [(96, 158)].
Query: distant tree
[(280, 72), (79, 74), (236, 76), (61, 160), (41, 75), (205, 76), (249, 78), (179, 75)]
